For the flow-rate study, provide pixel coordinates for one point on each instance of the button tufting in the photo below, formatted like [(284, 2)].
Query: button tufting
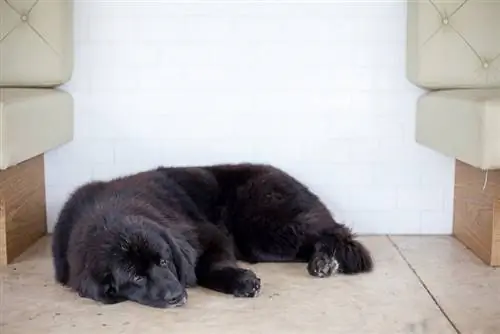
[(24, 18), (445, 21), (486, 65)]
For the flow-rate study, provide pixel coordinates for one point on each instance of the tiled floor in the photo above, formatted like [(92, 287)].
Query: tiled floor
[(420, 285)]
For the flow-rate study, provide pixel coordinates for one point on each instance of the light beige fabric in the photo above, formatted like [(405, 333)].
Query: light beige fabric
[(33, 121), (36, 42), (453, 43), (463, 124)]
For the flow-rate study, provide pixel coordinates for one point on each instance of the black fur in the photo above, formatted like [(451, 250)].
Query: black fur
[(149, 236)]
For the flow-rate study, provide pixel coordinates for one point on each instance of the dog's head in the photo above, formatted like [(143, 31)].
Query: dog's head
[(140, 262)]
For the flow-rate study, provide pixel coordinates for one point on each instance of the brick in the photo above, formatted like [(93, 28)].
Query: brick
[(318, 89)]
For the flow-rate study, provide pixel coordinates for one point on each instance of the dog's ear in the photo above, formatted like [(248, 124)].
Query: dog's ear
[(183, 260)]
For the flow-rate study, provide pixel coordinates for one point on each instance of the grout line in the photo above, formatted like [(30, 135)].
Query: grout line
[(443, 312)]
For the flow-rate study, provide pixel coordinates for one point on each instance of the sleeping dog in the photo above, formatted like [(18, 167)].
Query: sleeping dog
[(147, 237)]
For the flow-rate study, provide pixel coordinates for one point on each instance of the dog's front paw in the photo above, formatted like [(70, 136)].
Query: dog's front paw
[(246, 284), (323, 265)]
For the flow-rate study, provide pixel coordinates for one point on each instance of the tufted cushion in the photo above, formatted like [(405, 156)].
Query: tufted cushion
[(33, 121), (453, 43), (462, 123), (35, 42)]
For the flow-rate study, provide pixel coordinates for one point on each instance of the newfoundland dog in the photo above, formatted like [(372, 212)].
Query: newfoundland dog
[(147, 237)]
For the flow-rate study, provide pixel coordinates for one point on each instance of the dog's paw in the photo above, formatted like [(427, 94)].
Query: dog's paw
[(246, 284), (323, 265)]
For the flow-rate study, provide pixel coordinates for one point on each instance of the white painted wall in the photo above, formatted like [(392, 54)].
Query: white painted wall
[(317, 89)]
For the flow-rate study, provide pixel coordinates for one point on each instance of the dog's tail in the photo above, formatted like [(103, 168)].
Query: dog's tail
[(353, 256)]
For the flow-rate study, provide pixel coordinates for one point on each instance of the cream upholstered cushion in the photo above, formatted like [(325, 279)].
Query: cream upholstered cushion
[(462, 123), (33, 121), (453, 43), (36, 42)]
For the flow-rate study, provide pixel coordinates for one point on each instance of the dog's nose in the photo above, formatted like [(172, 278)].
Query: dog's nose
[(176, 300)]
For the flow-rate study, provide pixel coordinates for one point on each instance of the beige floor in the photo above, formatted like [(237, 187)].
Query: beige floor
[(420, 285)]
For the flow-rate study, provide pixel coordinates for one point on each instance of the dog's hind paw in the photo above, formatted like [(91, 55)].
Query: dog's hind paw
[(323, 265)]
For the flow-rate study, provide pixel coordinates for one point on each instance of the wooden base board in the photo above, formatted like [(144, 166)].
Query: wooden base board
[(476, 213), (22, 208)]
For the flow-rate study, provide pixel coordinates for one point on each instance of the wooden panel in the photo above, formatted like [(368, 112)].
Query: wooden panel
[(476, 216), (22, 208), (495, 248)]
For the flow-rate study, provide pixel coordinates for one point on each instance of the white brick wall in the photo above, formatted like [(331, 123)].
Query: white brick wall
[(318, 89)]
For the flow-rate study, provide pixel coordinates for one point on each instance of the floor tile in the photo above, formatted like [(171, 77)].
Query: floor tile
[(467, 289), (390, 300)]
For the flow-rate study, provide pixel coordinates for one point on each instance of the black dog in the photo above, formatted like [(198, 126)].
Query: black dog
[(149, 236)]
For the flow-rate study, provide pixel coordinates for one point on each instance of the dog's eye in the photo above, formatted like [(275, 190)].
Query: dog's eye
[(163, 263)]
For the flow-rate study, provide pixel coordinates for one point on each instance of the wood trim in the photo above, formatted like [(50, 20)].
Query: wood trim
[(22, 208), (476, 213)]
